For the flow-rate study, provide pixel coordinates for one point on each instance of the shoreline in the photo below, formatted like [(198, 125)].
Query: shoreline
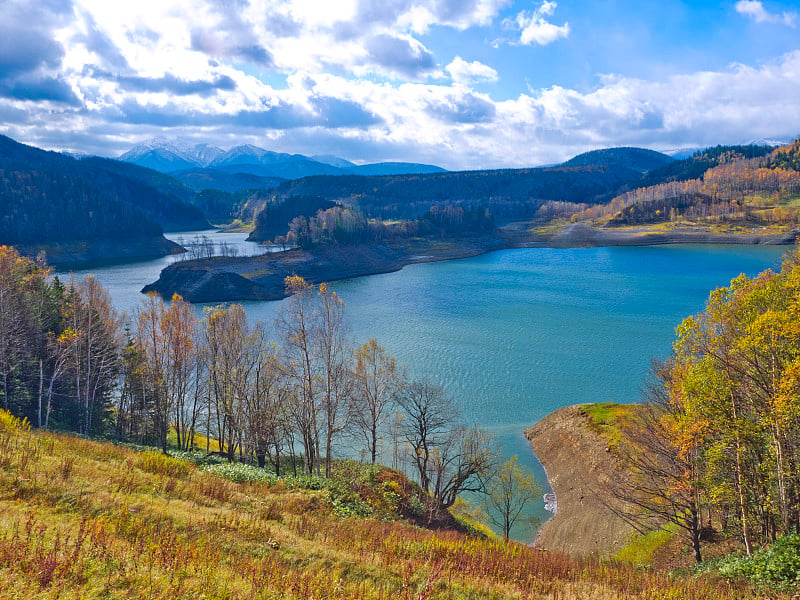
[(78, 254), (580, 235), (224, 279), (577, 463)]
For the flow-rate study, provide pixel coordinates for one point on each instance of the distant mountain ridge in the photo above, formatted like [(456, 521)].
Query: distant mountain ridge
[(637, 159), (173, 156)]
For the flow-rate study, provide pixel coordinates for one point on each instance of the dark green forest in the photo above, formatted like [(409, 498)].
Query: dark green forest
[(508, 193), (47, 197)]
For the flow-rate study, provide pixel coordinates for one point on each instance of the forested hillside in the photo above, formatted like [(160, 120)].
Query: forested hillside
[(697, 164), (204, 179), (637, 159), (49, 198), (513, 193), (749, 185)]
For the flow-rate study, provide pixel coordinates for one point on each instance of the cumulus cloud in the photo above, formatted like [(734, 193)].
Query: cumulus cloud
[(403, 55), (214, 45), (351, 78), (463, 108), (463, 72), (30, 57), (175, 86), (754, 9), (37, 89), (421, 15), (536, 29)]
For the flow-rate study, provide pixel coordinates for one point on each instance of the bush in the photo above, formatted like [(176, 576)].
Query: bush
[(244, 473), (161, 464), (9, 422), (777, 566), (198, 458)]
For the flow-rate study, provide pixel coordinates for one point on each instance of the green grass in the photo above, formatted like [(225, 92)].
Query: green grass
[(608, 419), (642, 549)]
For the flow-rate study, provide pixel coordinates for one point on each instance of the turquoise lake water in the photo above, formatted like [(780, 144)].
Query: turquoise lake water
[(515, 334)]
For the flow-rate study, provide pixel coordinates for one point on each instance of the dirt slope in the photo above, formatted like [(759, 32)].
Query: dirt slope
[(578, 463)]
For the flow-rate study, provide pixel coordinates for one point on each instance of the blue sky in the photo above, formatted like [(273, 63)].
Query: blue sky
[(459, 83)]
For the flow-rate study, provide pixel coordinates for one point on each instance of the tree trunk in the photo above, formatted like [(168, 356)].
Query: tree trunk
[(41, 385), (374, 447)]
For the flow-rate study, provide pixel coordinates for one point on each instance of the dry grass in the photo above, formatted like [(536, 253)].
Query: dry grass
[(81, 519)]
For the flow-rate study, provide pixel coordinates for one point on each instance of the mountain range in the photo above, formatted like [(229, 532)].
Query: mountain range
[(232, 170)]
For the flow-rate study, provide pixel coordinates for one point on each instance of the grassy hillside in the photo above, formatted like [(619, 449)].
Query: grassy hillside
[(84, 519)]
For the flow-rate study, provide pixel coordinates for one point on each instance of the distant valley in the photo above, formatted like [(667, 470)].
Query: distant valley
[(91, 208)]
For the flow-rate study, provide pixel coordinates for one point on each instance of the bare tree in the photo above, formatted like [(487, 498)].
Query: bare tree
[(659, 480), (96, 351), (335, 357), (297, 322), (266, 399), (225, 344), (59, 348), (448, 457)]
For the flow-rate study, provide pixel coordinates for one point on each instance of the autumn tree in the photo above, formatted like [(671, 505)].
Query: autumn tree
[(166, 338), (225, 350), (731, 422), (661, 475), (29, 313), (377, 383)]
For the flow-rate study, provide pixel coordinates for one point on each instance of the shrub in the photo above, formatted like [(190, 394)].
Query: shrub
[(776, 566), (161, 464), (240, 473), (199, 458), (9, 422)]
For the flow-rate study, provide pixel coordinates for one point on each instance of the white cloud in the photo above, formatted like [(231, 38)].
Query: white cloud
[(371, 92), (463, 72), (420, 15), (754, 9), (536, 29)]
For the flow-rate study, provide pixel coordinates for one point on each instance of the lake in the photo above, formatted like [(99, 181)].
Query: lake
[(515, 334)]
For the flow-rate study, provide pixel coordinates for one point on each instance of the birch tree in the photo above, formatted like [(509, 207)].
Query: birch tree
[(376, 385)]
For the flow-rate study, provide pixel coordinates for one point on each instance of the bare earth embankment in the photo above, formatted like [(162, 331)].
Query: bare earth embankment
[(584, 235), (578, 463)]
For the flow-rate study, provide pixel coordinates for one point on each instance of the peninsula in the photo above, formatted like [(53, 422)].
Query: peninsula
[(222, 279)]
